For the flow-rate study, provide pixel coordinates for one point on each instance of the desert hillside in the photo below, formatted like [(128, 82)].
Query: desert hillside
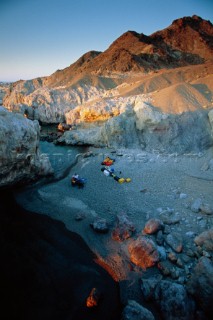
[(170, 72)]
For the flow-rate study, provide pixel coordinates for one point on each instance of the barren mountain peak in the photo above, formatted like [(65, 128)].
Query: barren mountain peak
[(191, 20)]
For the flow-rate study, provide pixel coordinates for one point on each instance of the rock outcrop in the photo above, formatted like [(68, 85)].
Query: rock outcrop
[(4, 87), (150, 130), (135, 311), (201, 285), (36, 101), (20, 159)]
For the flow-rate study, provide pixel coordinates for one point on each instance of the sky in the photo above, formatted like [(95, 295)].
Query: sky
[(37, 37)]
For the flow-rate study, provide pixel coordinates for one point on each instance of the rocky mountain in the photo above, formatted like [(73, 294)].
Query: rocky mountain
[(187, 41), (170, 71)]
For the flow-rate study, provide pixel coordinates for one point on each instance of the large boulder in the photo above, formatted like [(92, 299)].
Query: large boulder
[(187, 132), (124, 228), (143, 252), (173, 301), (20, 159), (169, 297), (90, 136), (205, 240), (134, 311), (201, 285)]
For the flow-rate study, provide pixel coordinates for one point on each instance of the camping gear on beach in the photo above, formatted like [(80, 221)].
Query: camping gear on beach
[(77, 181), (109, 171), (120, 180), (108, 161)]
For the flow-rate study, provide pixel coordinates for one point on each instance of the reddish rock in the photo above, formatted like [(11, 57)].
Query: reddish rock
[(143, 252), (205, 240), (152, 226)]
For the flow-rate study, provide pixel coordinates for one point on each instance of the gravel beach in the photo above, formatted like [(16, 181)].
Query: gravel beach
[(158, 182)]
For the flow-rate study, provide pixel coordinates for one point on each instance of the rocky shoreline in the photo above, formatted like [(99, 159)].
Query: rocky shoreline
[(153, 235)]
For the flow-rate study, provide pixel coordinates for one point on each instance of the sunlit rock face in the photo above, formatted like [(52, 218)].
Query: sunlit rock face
[(20, 160), (48, 105), (140, 125), (143, 252)]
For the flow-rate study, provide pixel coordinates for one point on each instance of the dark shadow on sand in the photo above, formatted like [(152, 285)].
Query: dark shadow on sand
[(46, 271)]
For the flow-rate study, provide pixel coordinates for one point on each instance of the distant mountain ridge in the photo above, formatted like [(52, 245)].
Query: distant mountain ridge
[(186, 41)]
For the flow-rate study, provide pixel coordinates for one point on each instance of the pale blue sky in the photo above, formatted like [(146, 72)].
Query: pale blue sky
[(37, 37)]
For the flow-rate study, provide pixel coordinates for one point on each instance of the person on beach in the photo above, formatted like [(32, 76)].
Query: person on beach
[(77, 181), (75, 176)]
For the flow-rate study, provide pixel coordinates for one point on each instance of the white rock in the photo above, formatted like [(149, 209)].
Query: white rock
[(147, 115), (183, 195), (20, 160), (195, 207)]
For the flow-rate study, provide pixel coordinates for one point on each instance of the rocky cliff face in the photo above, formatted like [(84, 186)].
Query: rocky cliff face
[(146, 128), (4, 87), (20, 160)]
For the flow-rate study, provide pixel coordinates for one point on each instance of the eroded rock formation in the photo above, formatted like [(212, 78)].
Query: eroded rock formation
[(20, 159)]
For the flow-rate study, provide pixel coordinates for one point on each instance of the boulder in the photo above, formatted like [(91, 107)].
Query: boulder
[(124, 228), (100, 225), (143, 252), (153, 226), (149, 285), (206, 208), (196, 205), (173, 301), (201, 285), (174, 240), (90, 136), (205, 240), (135, 311), (20, 159)]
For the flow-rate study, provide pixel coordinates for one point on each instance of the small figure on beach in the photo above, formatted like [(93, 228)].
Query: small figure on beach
[(108, 161), (77, 181)]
